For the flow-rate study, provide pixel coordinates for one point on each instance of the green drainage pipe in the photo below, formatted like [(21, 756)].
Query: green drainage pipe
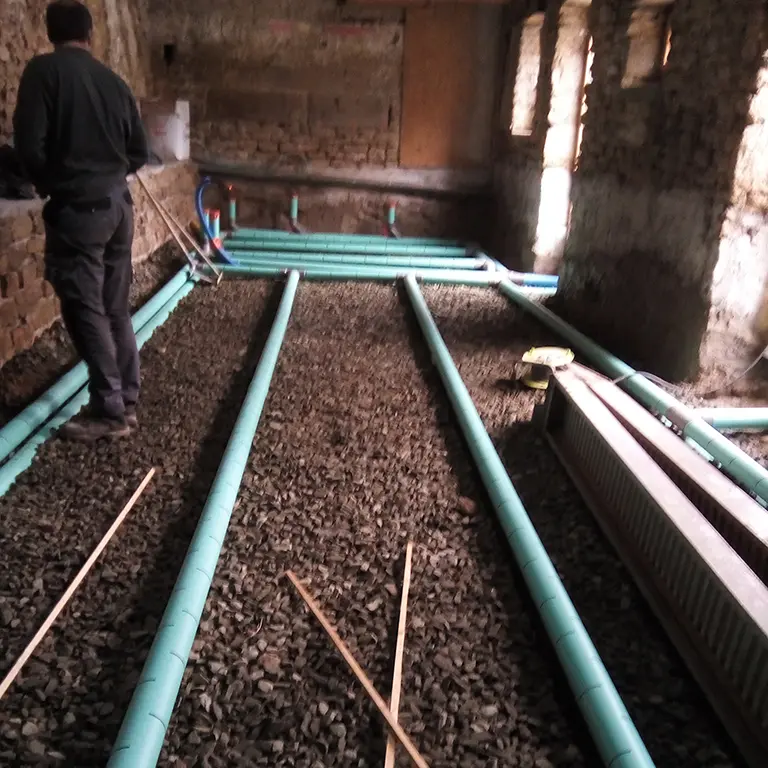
[(345, 259), (143, 730), (373, 274), (731, 459), (305, 243), (18, 429), (617, 739), (334, 237), (22, 459), (734, 418)]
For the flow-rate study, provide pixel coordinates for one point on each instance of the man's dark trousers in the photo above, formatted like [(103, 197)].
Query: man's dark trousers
[(88, 262)]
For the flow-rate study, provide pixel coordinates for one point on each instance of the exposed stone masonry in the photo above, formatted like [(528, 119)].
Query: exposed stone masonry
[(655, 177), (293, 83), (27, 303)]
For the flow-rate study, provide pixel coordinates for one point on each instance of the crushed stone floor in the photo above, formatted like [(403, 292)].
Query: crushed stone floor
[(356, 453)]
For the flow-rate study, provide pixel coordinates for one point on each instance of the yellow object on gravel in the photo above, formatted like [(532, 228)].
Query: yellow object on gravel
[(542, 361)]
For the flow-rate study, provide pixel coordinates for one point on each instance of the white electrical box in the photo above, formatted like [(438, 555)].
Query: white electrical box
[(167, 126)]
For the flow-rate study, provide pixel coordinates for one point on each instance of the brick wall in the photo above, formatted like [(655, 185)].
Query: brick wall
[(297, 83), (119, 41), (656, 226), (27, 304), (323, 209)]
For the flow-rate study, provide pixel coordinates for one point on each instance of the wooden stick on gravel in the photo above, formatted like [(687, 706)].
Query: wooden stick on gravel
[(381, 705), (82, 573), (170, 221), (397, 676)]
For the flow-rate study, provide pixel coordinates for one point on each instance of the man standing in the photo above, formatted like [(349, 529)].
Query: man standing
[(78, 132)]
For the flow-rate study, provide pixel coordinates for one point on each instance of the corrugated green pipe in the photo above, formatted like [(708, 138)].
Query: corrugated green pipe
[(18, 429), (731, 459), (143, 730), (317, 272), (276, 234), (617, 739), (362, 260), (734, 418), (22, 459), (304, 243)]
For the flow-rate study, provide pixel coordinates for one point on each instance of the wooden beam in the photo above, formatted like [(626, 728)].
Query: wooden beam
[(342, 648)]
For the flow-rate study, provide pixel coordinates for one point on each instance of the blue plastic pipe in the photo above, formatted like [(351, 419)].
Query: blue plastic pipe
[(18, 429), (205, 223), (616, 737), (731, 459), (143, 730), (22, 459), (534, 280), (734, 418)]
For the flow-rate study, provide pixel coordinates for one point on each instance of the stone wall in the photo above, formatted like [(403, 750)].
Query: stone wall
[(119, 41), (290, 82), (656, 174), (27, 304), (665, 229), (540, 117), (348, 211)]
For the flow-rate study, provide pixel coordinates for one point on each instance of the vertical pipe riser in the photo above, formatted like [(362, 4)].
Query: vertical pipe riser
[(143, 730)]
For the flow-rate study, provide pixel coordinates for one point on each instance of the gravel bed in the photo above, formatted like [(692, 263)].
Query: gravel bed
[(487, 336), (356, 453), (66, 707)]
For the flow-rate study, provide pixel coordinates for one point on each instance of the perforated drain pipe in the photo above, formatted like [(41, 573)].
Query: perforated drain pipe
[(734, 418), (22, 459), (18, 429), (616, 737), (360, 260), (371, 274), (143, 729), (731, 459)]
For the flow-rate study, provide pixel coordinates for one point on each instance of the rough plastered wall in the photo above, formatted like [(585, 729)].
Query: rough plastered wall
[(119, 41), (27, 304), (656, 174), (740, 281), (294, 82), (539, 119)]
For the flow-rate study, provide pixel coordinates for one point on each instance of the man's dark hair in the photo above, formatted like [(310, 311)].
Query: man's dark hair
[(68, 21)]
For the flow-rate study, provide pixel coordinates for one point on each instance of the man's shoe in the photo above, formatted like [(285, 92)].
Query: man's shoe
[(131, 419), (88, 429)]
